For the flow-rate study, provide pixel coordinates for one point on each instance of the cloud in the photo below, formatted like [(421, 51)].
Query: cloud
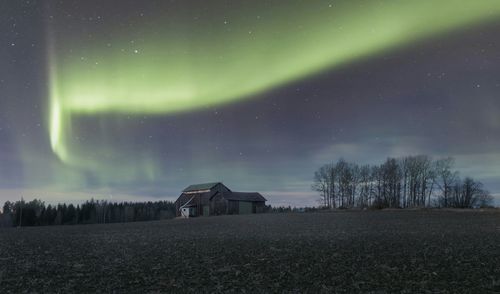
[(372, 150), (485, 166)]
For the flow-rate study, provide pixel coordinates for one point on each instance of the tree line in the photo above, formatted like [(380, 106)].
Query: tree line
[(411, 181), (36, 213)]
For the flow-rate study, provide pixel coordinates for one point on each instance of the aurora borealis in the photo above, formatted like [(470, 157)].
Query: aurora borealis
[(170, 73), (140, 99)]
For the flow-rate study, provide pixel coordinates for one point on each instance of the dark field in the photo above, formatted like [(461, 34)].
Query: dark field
[(371, 251)]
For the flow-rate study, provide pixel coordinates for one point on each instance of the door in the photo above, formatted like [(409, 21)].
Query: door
[(206, 210), (245, 207)]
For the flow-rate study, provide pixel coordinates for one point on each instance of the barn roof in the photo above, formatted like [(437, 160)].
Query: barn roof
[(198, 187), (244, 196), (205, 197)]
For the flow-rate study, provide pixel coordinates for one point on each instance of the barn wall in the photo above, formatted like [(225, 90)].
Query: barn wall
[(204, 200), (233, 207), (206, 210), (245, 207), (183, 198), (218, 205), (199, 207)]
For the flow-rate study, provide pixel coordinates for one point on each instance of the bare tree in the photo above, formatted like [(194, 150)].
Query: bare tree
[(410, 181), (321, 184), (468, 193), (365, 182), (446, 178), (428, 179), (485, 199)]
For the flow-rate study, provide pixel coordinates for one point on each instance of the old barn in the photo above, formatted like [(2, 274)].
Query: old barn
[(217, 199)]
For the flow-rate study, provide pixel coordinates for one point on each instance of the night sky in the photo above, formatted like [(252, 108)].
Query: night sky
[(135, 100)]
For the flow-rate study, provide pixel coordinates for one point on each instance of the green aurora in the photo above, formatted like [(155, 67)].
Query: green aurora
[(186, 67)]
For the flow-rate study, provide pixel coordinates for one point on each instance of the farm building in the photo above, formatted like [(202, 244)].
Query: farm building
[(216, 199)]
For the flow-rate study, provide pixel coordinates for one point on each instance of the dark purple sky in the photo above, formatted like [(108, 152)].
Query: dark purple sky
[(437, 95)]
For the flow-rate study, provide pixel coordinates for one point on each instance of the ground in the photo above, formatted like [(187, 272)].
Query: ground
[(344, 252)]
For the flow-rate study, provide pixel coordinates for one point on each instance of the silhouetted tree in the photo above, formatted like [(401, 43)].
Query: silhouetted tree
[(411, 181), (446, 178), (35, 213)]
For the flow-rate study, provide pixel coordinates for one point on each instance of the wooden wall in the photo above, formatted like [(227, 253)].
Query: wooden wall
[(218, 205)]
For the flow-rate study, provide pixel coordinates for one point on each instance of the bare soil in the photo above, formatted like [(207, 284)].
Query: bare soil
[(339, 252)]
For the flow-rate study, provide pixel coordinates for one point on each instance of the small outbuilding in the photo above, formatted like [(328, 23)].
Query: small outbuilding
[(217, 199)]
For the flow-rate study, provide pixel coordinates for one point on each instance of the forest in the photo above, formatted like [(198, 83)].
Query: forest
[(36, 213), (406, 182)]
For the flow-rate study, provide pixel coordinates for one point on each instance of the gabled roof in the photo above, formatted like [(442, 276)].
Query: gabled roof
[(200, 187), (207, 196), (244, 196)]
